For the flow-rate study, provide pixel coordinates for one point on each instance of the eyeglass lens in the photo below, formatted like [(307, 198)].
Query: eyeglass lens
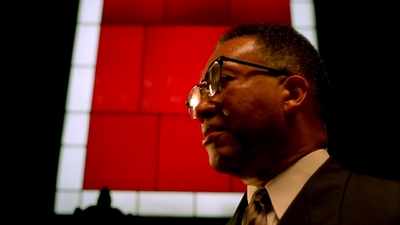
[(209, 86), (212, 78)]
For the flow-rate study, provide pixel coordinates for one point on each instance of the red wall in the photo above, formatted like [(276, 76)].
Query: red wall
[(150, 54)]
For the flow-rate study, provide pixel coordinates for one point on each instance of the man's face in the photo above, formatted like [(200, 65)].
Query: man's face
[(243, 123)]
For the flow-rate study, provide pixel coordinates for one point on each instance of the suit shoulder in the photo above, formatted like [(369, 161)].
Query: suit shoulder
[(373, 196), (367, 182)]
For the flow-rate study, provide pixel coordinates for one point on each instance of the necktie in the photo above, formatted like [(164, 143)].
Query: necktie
[(256, 211)]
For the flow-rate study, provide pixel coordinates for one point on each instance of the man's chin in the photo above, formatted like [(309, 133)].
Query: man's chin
[(224, 158), (222, 150), (223, 165)]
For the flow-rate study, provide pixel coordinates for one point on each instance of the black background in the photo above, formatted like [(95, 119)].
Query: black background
[(357, 41)]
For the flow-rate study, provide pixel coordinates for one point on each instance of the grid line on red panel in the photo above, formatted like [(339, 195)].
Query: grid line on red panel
[(121, 152), (133, 12), (195, 12), (268, 11)]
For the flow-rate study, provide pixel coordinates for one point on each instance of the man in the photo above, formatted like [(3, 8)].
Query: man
[(263, 103)]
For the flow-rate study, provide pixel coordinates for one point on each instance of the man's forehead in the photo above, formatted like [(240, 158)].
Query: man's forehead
[(237, 48), (233, 48)]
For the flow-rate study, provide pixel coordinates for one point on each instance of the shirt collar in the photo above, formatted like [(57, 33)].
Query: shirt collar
[(284, 187)]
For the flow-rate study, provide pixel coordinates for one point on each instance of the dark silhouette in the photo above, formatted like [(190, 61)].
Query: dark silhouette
[(101, 212)]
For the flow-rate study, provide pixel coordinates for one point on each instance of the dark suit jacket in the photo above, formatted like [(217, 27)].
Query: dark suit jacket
[(335, 195)]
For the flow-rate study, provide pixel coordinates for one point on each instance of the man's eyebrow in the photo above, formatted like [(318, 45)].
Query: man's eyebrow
[(235, 67), (229, 65)]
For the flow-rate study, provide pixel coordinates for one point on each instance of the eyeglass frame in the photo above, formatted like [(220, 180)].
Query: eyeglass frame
[(220, 60)]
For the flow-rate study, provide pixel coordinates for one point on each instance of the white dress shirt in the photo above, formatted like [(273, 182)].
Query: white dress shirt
[(284, 187)]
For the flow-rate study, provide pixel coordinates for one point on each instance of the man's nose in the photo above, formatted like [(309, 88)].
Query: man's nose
[(207, 108)]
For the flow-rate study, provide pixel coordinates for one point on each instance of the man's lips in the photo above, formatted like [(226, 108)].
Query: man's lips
[(209, 129)]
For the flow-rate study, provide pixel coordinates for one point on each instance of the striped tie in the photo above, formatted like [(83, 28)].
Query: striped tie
[(256, 211)]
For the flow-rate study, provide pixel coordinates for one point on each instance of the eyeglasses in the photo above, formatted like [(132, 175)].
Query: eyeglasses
[(211, 82)]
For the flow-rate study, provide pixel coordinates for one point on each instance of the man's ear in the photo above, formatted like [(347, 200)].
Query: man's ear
[(296, 90)]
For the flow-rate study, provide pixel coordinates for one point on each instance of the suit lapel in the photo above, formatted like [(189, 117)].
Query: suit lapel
[(319, 201), (236, 219)]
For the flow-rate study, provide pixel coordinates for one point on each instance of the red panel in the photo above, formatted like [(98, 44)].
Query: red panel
[(121, 152), (270, 11), (133, 12), (183, 163), (237, 185), (203, 12), (117, 80), (175, 57)]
